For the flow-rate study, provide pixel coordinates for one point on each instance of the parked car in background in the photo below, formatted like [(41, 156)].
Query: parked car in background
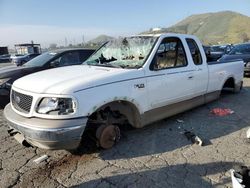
[(19, 59), (217, 51), (5, 58), (240, 51), (207, 50), (48, 60)]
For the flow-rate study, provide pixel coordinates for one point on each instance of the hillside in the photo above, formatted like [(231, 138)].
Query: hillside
[(100, 39), (214, 28)]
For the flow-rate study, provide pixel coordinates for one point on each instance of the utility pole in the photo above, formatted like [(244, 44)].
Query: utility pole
[(83, 41), (65, 41)]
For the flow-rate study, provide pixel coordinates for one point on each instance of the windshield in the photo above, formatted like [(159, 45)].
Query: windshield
[(128, 52), (40, 60), (240, 49)]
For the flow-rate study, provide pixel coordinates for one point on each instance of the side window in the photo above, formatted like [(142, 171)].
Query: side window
[(69, 58), (170, 54), (195, 51)]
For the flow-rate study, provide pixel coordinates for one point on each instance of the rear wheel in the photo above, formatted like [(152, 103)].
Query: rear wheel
[(238, 88)]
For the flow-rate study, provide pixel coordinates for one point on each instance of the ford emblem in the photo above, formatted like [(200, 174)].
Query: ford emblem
[(17, 99)]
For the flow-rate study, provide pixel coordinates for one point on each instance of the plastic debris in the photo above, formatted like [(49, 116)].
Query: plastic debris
[(180, 121), (41, 159), (235, 181), (241, 177), (222, 111), (248, 133), (194, 138)]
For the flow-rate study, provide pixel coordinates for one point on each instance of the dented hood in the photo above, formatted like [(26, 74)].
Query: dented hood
[(67, 80)]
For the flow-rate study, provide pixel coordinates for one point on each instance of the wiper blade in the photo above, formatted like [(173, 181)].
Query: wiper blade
[(112, 65), (105, 65), (134, 67), (123, 66)]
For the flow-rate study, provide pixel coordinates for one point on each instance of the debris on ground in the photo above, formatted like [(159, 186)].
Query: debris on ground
[(248, 133), (180, 121), (222, 111), (41, 159), (194, 138), (241, 177)]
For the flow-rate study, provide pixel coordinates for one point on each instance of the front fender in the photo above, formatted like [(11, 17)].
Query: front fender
[(91, 100), (100, 103)]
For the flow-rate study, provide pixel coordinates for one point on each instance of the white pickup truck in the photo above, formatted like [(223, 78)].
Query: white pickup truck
[(134, 80)]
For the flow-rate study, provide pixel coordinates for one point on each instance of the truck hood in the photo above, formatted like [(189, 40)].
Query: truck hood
[(67, 80)]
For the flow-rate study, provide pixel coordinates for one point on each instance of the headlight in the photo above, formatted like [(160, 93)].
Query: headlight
[(56, 106), (3, 82)]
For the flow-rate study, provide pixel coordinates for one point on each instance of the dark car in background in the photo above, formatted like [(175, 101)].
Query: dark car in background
[(207, 50), (47, 60), (240, 51), (217, 51), (19, 59), (5, 58)]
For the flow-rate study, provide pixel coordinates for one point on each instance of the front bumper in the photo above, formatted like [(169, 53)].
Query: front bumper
[(65, 134)]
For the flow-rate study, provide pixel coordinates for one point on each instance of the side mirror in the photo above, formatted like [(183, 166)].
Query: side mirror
[(54, 64), (153, 65)]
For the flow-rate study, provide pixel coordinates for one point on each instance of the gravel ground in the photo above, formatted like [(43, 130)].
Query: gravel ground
[(158, 155), (3, 64)]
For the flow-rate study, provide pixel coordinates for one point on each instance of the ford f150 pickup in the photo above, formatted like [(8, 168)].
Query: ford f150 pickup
[(134, 80)]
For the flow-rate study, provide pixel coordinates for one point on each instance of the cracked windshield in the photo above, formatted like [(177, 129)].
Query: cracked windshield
[(128, 52)]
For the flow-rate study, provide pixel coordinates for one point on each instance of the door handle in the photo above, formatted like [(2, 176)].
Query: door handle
[(190, 77)]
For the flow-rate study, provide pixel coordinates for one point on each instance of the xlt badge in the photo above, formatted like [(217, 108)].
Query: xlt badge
[(139, 86)]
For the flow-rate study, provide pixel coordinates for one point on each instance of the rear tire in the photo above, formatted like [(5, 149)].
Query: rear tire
[(238, 88)]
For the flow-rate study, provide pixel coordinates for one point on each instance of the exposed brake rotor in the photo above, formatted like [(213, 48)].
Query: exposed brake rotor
[(108, 135)]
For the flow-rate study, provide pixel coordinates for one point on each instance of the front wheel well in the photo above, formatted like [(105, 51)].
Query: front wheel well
[(120, 111)]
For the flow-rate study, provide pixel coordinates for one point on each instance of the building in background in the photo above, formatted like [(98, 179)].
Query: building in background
[(4, 50), (28, 48)]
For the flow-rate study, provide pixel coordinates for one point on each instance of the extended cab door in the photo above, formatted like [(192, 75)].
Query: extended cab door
[(200, 67), (171, 77)]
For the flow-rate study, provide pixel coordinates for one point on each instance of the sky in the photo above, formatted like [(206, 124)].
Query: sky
[(51, 21)]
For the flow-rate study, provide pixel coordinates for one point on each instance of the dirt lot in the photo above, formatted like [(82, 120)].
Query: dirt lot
[(155, 156), (3, 64)]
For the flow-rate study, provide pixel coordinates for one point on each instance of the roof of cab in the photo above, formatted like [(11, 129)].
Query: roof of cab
[(165, 35)]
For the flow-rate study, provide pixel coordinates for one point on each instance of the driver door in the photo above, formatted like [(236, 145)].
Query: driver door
[(171, 77)]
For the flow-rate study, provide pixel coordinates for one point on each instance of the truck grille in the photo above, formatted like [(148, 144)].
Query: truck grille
[(21, 102)]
